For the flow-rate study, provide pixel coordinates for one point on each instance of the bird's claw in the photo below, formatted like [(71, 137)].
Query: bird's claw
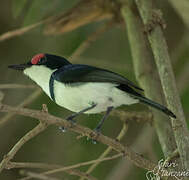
[(92, 140), (70, 119), (62, 129), (98, 131)]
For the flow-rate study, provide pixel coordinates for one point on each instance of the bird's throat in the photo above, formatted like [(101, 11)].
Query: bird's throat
[(41, 75)]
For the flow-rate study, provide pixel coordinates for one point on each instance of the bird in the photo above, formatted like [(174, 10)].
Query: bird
[(83, 88)]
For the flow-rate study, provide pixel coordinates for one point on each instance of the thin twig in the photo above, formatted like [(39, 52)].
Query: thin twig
[(172, 156), (12, 165), (82, 164), (73, 19), (78, 16), (20, 31), (27, 101), (126, 116), (59, 169), (32, 165), (108, 150), (36, 175), (49, 119), (80, 174), (153, 20), (74, 172), (123, 168), (39, 128)]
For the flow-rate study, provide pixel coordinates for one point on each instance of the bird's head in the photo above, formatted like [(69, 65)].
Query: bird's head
[(50, 61)]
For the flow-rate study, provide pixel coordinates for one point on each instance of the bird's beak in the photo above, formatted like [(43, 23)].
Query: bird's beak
[(20, 67)]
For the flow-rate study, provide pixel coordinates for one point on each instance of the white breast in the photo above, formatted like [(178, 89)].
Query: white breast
[(41, 75)]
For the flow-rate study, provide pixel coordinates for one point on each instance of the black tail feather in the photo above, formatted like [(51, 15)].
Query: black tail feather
[(144, 100), (153, 104)]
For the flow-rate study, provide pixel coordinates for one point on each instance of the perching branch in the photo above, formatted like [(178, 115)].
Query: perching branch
[(153, 22), (49, 120), (39, 128)]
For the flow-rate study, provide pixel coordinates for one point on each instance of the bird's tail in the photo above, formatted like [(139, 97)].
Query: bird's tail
[(153, 104)]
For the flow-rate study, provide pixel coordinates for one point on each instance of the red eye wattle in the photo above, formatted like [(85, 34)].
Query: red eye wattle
[(37, 58)]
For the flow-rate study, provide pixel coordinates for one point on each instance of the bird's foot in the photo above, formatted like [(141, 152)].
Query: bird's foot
[(97, 132), (62, 129), (93, 141), (70, 119)]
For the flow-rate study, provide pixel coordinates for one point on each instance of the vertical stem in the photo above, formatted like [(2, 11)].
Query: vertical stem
[(147, 75), (152, 18)]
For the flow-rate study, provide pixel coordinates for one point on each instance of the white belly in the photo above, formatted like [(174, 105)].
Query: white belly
[(79, 96)]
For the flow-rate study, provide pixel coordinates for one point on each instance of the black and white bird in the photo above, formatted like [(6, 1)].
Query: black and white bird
[(83, 88)]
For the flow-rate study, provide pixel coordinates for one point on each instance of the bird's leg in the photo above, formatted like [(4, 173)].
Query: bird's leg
[(71, 117), (99, 126)]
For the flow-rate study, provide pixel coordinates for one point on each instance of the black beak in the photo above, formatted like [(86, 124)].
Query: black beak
[(20, 67)]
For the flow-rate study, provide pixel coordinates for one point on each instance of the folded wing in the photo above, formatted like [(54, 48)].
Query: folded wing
[(84, 73)]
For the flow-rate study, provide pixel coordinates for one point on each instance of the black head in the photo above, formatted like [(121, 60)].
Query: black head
[(48, 60)]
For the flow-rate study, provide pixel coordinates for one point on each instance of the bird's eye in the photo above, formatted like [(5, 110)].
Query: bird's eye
[(42, 60)]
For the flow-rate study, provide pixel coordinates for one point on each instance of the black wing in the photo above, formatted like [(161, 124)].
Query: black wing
[(84, 73)]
